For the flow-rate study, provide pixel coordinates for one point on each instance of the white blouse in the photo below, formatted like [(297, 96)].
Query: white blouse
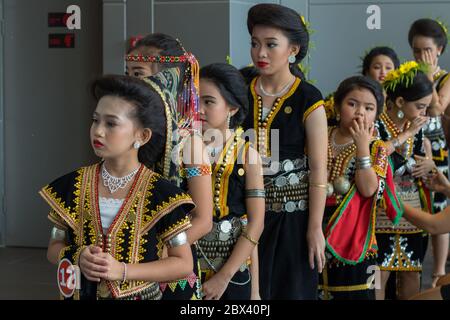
[(109, 208)]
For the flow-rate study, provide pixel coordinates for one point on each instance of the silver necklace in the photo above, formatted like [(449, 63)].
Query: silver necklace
[(338, 147), (114, 183), (276, 94)]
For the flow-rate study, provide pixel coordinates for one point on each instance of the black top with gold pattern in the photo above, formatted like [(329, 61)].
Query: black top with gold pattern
[(288, 115), (153, 212)]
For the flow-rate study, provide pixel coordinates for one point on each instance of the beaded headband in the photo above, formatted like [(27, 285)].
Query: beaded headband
[(403, 75), (443, 26), (188, 97)]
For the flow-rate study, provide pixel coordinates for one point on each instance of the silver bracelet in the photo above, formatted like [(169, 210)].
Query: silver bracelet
[(363, 163), (178, 240), (255, 193), (396, 143), (58, 234)]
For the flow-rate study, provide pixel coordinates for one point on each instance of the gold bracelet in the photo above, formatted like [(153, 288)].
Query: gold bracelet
[(246, 236), (318, 185)]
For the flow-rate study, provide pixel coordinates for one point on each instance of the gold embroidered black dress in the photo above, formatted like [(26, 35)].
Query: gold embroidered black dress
[(229, 219), (283, 251), (351, 246), (153, 212), (402, 247)]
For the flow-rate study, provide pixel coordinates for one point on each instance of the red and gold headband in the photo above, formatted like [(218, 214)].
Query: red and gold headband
[(188, 98)]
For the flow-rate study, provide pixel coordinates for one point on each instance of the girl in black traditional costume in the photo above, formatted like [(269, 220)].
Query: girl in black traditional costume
[(112, 219)]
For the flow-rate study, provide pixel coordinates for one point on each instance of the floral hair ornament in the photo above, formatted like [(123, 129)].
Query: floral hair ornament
[(330, 109), (403, 75), (188, 101)]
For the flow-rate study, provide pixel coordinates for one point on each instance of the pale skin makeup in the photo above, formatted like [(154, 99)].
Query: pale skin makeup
[(214, 111), (270, 50), (425, 50), (113, 133)]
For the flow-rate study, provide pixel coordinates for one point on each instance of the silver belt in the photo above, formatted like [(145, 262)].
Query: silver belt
[(289, 206), (275, 167), (225, 229), (218, 244)]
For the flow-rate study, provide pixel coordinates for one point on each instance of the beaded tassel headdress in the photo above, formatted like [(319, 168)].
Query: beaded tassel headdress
[(188, 101)]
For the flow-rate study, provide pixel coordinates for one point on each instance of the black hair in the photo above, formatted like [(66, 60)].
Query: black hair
[(249, 73), (149, 110), (378, 51), (419, 87), (428, 28), (360, 82), (168, 45), (232, 87), (288, 21)]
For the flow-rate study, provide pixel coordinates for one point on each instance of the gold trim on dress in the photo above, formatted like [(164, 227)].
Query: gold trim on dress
[(260, 124), (311, 109)]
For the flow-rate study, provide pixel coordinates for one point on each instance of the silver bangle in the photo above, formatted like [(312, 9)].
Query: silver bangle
[(178, 240), (58, 234), (363, 163), (396, 143), (255, 193)]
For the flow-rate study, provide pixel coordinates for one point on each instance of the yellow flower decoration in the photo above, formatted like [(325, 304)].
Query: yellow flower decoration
[(303, 20), (329, 107), (403, 75)]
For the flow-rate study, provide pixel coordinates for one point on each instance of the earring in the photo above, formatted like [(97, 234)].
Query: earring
[(137, 145), (400, 114), (338, 117), (292, 58), (228, 120)]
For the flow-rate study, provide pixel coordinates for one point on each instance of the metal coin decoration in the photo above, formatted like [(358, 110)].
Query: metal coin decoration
[(225, 226), (280, 181), (290, 206), (241, 172), (293, 179), (275, 166), (288, 110), (288, 165), (302, 205), (330, 189), (341, 185)]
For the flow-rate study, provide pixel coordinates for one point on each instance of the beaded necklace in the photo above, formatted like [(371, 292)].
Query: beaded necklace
[(337, 164), (219, 175), (394, 131), (263, 124)]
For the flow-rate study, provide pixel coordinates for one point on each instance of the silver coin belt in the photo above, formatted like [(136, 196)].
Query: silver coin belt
[(215, 248), (288, 190)]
